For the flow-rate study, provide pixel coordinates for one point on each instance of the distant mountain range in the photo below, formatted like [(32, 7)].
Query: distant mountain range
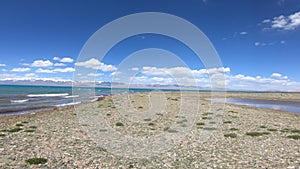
[(43, 82), (37, 82)]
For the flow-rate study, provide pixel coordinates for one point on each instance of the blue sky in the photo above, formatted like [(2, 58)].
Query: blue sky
[(257, 41)]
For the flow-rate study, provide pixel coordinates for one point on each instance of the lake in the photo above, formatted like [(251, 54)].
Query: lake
[(290, 106)]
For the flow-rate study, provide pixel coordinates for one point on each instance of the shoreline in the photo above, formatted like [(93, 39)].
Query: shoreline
[(260, 96), (62, 136)]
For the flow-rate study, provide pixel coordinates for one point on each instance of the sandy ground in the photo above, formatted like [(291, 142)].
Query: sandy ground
[(155, 130)]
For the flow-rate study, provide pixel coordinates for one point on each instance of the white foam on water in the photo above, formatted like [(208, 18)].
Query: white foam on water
[(48, 95), (72, 96), (67, 104), (18, 101)]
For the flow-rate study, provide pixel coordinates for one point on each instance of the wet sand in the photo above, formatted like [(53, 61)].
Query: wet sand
[(215, 138)]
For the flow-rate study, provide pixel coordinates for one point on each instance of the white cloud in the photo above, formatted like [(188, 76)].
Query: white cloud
[(266, 21), (277, 81), (278, 76), (181, 76), (65, 59), (139, 79), (2, 65), (219, 70), (115, 73), (6, 76), (152, 80), (282, 22), (4, 70), (180, 72), (243, 33), (279, 22), (56, 58), (59, 64), (40, 70), (95, 74), (174, 71), (57, 70), (31, 75), (25, 64), (21, 69), (262, 44), (269, 43), (42, 63), (134, 69), (218, 78), (96, 64), (64, 70)]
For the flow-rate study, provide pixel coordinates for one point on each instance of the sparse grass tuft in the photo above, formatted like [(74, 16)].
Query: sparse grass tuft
[(285, 130), (290, 130), (2, 135), (205, 118), (19, 124), (231, 111), (183, 125), (231, 135), (295, 137), (233, 129), (263, 127), (295, 131), (227, 122), (119, 124), (151, 124), (14, 130), (29, 131), (208, 113), (36, 161), (32, 127), (182, 121), (148, 119), (272, 129), (200, 124), (4, 130), (209, 128), (24, 122), (101, 149), (168, 129), (140, 107), (172, 131), (255, 134)]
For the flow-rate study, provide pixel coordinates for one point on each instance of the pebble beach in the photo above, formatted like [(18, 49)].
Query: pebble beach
[(230, 136)]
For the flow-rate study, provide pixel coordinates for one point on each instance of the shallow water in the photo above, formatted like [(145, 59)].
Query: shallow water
[(289, 106), (19, 99)]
